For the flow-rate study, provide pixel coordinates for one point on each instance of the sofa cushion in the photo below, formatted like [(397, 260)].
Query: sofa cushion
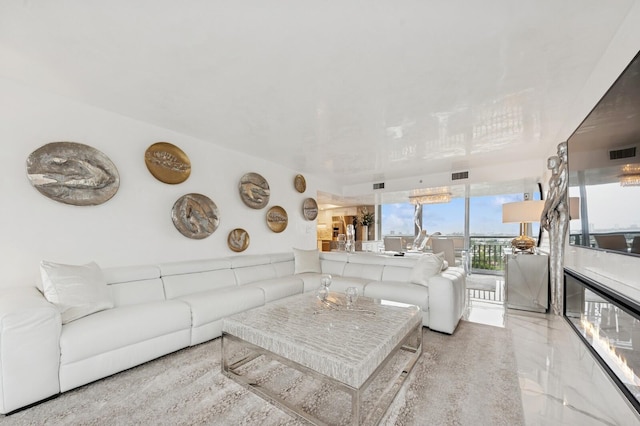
[(187, 283), (130, 285), (362, 270), (340, 284), (399, 291), (250, 274), (119, 327), (426, 267), (242, 261), (333, 262), (396, 273), (209, 306), (192, 266), (76, 290), (278, 288), (306, 261)]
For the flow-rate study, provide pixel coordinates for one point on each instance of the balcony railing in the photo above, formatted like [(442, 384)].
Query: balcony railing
[(487, 253)]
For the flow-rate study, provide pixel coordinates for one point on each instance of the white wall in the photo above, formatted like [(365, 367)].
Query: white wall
[(135, 226)]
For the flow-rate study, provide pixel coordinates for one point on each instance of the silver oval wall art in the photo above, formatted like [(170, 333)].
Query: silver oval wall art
[(254, 190), (73, 173), (238, 240), (195, 216), (310, 209)]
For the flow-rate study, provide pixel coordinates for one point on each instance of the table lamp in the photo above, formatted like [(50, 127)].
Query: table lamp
[(523, 212)]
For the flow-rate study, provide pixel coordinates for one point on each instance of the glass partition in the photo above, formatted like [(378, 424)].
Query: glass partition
[(609, 324)]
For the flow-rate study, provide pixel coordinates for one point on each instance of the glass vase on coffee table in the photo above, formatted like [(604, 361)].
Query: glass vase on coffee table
[(325, 283), (351, 295)]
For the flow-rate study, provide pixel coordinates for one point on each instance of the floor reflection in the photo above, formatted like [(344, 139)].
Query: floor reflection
[(561, 383)]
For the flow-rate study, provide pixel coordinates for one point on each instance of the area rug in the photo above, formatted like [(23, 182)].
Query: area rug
[(469, 378)]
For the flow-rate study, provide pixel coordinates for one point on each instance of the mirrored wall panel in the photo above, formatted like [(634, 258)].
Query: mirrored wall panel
[(604, 170)]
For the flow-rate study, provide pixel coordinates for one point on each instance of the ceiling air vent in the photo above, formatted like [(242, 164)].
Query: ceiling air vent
[(459, 175), (378, 185), (622, 153)]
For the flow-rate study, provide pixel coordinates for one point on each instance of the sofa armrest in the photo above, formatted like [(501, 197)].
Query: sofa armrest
[(446, 300), (30, 329)]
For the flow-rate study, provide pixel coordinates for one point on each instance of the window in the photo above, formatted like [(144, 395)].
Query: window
[(397, 219), (446, 218)]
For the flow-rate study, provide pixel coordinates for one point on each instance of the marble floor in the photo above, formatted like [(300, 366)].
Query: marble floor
[(560, 381)]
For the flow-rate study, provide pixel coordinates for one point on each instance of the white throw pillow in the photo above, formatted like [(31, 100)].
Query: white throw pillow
[(306, 261), (426, 267), (76, 290)]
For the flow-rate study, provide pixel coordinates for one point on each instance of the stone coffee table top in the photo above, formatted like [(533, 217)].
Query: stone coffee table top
[(346, 345)]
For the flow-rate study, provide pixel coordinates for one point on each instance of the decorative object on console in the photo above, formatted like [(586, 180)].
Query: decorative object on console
[(305, 261), (310, 209), (238, 240), (254, 190), (195, 216), (555, 219), (76, 290), (73, 173), (342, 242), (350, 243), (167, 163), (277, 219), (523, 212), (300, 183), (366, 218)]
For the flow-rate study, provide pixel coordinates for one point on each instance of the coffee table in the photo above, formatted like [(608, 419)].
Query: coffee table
[(321, 361)]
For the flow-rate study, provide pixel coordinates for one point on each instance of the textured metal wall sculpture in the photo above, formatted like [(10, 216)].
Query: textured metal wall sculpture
[(310, 209), (167, 163), (277, 219), (555, 219), (254, 190), (73, 173), (238, 240), (300, 183), (195, 216)]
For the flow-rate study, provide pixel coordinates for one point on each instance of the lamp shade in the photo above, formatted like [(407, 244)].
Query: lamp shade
[(522, 211)]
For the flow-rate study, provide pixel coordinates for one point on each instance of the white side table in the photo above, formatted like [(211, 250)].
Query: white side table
[(526, 278)]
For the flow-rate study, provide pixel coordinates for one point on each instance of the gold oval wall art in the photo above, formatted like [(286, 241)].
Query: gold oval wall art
[(254, 190), (195, 216), (277, 219), (310, 209), (300, 183), (238, 240), (73, 173), (167, 163)]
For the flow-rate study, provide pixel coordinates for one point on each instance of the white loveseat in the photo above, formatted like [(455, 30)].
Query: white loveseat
[(159, 309)]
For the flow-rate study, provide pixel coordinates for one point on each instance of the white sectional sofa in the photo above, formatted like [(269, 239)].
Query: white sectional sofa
[(158, 309)]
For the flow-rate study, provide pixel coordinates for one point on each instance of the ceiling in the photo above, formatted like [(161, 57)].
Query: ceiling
[(360, 91)]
